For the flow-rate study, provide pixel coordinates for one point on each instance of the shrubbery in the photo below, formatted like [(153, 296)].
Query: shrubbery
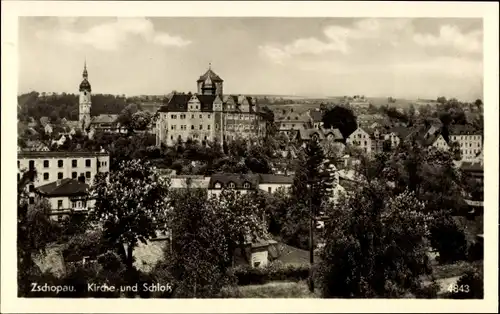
[(246, 275)]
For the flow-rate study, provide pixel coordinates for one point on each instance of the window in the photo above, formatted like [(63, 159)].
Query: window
[(74, 163), (183, 116), (32, 164), (209, 116), (59, 175), (174, 116), (60, 163), (59, 204), (46, 176), (192, 127), (208, 127), (73, 204), (201, 126), (74, 175), (196, 107), (192, 116), (216, 126), (87, 174), (201, 116), (45, 163), (231, 185), (87, 163), (171, 137), (246, 185), (18, 164), (173, 127)]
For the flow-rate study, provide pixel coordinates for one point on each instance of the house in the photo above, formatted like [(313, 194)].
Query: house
[(317, 118), (360, 138), (106, 123), (273, 182), (305, 135), (51, 166), (469, 140), (189, 181), (66, 197), (256, 253), (241, 183), (48, 129), (440, 143), (293, 121)]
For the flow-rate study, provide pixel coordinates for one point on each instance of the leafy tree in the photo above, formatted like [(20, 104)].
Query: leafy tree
[(374, 245), (198, 260), (34, 232), (140, 120), (130, 204), (340, 118)]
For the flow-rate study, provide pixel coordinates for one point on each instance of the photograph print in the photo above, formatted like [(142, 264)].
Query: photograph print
[(250, 157)]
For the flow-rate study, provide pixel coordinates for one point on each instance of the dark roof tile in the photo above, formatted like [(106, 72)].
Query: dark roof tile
[(64, 187)]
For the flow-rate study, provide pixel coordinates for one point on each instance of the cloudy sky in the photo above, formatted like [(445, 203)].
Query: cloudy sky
[(404, 58)]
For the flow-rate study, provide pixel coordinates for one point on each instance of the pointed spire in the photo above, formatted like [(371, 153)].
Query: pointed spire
[(85, 74), (210, 65)]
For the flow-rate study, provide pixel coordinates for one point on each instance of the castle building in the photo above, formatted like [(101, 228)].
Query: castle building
[(208, 115)]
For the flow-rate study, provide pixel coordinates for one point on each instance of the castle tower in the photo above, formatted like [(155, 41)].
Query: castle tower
[(85, 102), (210, 83)]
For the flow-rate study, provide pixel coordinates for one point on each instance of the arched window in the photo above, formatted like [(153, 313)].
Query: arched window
[(231, 185), (246, 185), (217, 185)]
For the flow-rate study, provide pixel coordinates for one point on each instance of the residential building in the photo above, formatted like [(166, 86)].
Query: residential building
[(361, 139), (292, 121), (66, 197), (53, 166), (317, 118), (440, 143), (208, 115), (469, 140), (274, 182)]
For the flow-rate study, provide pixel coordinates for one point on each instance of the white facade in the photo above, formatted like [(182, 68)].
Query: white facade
[(361, 139), (440, 143), (273, 187), (470, 144)]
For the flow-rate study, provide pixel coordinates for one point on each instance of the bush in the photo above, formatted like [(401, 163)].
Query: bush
[(246, 275), (448, 238)]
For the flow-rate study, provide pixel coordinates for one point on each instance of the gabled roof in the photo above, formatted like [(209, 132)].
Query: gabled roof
[(316, 115), (401, 131), (238, 179), (335, 132), (64, 187), (462, 130), (307, 134), (178, 102), (275, 179), (214, 77), (206, 102)]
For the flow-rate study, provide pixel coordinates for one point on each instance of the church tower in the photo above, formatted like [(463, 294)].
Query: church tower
[(85, 100)]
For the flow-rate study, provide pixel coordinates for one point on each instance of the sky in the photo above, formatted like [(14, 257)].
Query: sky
[(402, 58)]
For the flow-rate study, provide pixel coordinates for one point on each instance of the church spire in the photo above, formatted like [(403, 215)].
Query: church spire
[(85, 74)]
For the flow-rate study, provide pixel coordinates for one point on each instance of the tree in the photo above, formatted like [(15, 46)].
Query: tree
[(340, 118), (141, 120), (374, 245), (34, 232), (198, 260), (130, 205)]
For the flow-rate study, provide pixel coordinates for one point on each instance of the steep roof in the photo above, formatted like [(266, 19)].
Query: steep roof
[(238, 179), (178, 102), (210, 74), (316, 115), (458, 129), (206, 102), (64, 187), (275, 179), (401, 131)]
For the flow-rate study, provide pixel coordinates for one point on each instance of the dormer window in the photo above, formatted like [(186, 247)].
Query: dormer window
[(246, 185), (217, 185), (231, 185)]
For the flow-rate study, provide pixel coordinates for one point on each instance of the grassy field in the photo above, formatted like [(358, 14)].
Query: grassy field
[(277, 289)]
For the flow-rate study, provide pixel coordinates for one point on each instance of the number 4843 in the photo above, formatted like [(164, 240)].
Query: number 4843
[(458, 288)]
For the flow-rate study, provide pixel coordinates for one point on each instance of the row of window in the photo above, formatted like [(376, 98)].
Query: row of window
[(293, 125), (60, 163), (195, 136), (60, 175), (183, 116), (232, 185), (74, 204), (470, 145), (471, 151), (184, 127), (469, 137)]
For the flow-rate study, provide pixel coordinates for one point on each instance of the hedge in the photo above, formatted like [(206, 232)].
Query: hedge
[(247, 275)]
